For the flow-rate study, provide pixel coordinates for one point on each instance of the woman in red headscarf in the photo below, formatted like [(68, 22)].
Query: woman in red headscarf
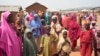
[(65, 21), (86, 38), (74, 30)]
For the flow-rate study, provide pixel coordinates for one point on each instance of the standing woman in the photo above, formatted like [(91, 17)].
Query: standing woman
[(36, 28), (10, 40), (74, 31)]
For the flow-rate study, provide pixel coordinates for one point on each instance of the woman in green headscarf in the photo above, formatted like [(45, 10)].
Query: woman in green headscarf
[(29, 46), (47, 17)]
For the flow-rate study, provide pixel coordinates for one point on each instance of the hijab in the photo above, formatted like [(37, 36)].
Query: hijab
[(27, 23), (30, 48), (62, 40), (10, 42), (36, 23)]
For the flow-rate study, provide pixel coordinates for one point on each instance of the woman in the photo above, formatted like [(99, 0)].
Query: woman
[(47, 43), (74, 31), (36, 28), (10, 40), (17, 23), (30, 48), (65, 21)]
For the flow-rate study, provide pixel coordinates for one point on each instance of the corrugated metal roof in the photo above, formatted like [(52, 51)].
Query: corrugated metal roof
[(9, 8)]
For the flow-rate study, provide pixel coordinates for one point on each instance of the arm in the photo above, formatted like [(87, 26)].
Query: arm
[(41, 44)]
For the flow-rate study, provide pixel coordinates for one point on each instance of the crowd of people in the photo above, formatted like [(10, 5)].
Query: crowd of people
[(48, 34)]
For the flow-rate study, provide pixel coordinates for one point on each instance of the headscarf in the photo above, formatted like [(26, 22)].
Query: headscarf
[(31, 16), (27, 23), (10, 42), (47, 17), (94, 18), (74, 28), (36, 24), (30, 47), (61, 41), (73, 17)]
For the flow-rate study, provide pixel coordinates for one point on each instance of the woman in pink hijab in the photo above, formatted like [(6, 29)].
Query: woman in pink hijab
[(74, 30), (10, 40)]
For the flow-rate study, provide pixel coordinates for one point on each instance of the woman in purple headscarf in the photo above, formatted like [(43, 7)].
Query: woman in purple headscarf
[(10, 40)]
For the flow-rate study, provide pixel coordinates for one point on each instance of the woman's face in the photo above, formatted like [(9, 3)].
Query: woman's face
[(10, 19)]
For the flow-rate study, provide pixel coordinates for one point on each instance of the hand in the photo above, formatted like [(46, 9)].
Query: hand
[(41, 50)]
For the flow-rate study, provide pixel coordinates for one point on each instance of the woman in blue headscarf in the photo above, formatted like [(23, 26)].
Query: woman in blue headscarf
[(36, 28)]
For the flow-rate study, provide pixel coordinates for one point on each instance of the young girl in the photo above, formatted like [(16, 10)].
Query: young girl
[(86, 39), (47, 43), (64, 45), (29, 46)]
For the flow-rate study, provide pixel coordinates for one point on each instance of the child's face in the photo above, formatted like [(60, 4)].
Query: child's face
[(29, 34), (27, 19), (48, 29), (55, 20), (87, 26), (93, 24), (65, 34)]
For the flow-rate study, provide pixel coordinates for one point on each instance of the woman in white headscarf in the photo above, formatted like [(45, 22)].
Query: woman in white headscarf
[(55, 26), (27, 21)]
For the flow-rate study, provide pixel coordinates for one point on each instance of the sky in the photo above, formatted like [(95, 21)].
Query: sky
[(54, 4)]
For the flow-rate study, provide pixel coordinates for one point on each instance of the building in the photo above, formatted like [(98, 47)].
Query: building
[(36, 7), (13, 9)]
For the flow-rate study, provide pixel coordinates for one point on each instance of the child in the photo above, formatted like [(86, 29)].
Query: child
[(86, 39), (29, 46), (97, 44), (43, 28), (64, 45), (47, 43)]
